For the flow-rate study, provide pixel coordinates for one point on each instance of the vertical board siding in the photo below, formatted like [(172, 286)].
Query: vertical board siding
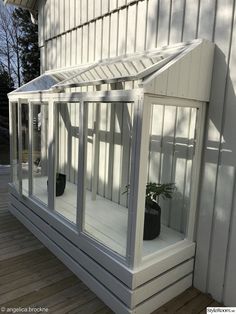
[(190, 21), (208, 202), (163, 23), (226, 176), (108, 154), (152, 25), (172, 140), (41, 21), (177, 19), (147, 24)]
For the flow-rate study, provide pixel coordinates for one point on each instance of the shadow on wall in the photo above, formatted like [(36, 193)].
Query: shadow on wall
[(217, 192), (222, 105), (170, 160), (219, 158)]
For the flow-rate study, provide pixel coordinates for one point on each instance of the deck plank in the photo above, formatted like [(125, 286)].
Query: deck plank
[(198, 304), (30, 275)]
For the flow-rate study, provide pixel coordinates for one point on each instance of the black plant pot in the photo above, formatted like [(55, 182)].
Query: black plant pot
[(60, 183), (152, 222)]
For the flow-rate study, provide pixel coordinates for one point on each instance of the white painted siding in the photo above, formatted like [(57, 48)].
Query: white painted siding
[(143, 24)]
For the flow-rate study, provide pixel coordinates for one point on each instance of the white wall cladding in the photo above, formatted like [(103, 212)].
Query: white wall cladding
[(102, 28), (171, 152)]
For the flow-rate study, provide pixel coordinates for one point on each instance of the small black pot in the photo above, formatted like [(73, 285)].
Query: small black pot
[(152, 222), (60, 183)]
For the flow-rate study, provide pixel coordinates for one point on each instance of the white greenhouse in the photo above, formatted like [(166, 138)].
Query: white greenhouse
[(85, 143)]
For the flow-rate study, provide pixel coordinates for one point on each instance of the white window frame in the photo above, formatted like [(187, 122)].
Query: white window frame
[(195, 178)]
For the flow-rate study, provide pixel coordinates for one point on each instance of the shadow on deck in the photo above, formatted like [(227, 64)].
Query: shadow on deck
[(31, 276)]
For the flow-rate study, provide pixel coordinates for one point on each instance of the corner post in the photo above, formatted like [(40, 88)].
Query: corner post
[(139, 164), (82, 169), (20, 146), (30, 148), (51, 154)]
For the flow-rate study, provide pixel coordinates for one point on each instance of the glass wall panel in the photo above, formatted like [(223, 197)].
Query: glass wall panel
[(108, 151), (40, 152), (25, 148), (171, 152), (15, 146), (67, 135)]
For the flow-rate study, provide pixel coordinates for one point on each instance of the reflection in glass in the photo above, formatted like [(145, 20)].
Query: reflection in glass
[(25, 148), (108, 150), (40, 152), (15, 146), (67, 136), (171, 152)]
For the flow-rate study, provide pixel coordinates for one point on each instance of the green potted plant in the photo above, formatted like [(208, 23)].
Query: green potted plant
[(152, 220)]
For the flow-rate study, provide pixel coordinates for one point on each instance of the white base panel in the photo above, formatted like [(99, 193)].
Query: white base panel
[(154, 286)]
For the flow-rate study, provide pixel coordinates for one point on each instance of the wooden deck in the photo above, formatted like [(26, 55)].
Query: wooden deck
[(31, 276)]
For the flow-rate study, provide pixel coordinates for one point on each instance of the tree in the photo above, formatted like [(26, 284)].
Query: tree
[(19, 51), (9, 48), (28, 44), (6, 86)]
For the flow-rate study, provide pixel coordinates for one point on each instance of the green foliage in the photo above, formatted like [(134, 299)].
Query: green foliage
[(156, 190), (6, 86), (6, 81), (28, 43)]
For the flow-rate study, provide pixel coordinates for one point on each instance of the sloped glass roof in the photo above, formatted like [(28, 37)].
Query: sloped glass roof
[(46, 81), (126, 68), (138, 66)]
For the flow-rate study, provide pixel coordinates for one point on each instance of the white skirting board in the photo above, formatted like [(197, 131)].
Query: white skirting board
[(144, 299)]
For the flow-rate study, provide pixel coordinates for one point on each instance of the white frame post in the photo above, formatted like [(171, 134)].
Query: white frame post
[(138, 182), (51, 154), (30, 149), (196, 172), (196, 165), (95, 152), (27, 103), (11, 139), (82, 165), (19, 146)]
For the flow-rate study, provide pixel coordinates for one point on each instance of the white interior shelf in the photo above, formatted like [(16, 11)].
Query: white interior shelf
[(105, 221)]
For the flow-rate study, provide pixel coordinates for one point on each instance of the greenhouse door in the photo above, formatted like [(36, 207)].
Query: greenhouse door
[(107, 164)]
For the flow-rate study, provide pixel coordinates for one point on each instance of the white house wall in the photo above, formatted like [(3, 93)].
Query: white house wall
[(100, 33)]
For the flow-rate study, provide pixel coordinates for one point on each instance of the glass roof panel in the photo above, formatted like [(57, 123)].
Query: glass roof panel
[(125, 68)]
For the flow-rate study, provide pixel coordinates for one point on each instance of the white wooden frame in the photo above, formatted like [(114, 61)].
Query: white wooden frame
[(11, 103), (130, 98), (25, 102), (142, 104), (196, 168), (82, 98), (20, 144), (19, 102), (30, 172)]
